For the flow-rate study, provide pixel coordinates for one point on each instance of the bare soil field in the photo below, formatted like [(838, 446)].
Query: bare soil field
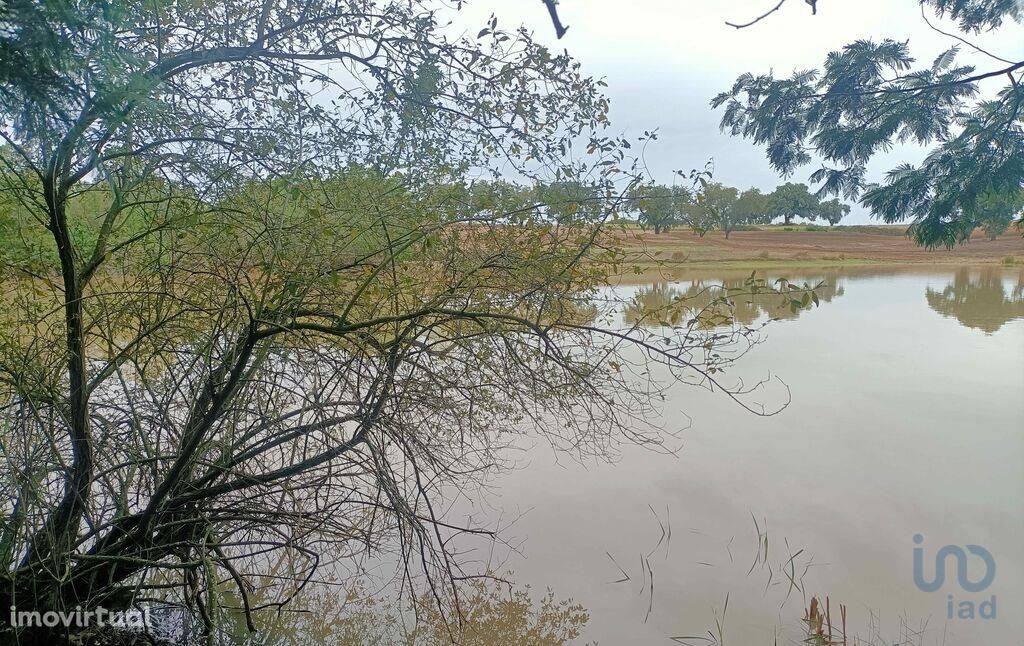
[(841, 245)]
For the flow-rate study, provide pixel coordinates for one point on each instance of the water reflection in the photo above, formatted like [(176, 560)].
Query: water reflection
[(885, 438), (493, 614), (980, 299), (704, 299), (854, 434)]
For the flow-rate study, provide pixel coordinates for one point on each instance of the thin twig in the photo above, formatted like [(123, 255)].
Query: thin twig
[(758, 19)]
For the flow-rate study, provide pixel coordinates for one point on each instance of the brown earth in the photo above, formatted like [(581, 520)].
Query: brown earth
[(844, 245)]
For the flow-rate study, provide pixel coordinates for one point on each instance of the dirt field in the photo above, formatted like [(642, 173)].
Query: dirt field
[(853, 245)]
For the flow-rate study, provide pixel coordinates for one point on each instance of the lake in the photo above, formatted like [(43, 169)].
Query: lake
[(906, 420)]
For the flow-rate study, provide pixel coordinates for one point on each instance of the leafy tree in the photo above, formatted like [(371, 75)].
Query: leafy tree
[(276, 317), (751, 207), (569, 201), (727, 208), (716, 206), (185, 163), (833, 211), (659, 207), (720, 203), (869, 95), (790, 201), (996, 210), (486, 199)]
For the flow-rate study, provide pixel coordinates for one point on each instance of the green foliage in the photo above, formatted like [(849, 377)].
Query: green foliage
[(977, 15), (719, 202), (751, 205), (566, 202), (833, 211), (996, 210), (716, 206), (791, 201), (661, 207), (868, 96)]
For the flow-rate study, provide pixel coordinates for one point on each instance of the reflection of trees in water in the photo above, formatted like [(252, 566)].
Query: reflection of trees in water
[(704, 299), (979, 299), (492, 614)]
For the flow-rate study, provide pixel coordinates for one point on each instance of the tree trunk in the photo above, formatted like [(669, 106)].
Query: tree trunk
[(51, 547)]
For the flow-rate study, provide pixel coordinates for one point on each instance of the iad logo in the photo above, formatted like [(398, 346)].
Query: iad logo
[(964, 609)]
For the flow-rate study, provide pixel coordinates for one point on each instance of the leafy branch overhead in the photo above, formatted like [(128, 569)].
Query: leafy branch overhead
[(869, 96)]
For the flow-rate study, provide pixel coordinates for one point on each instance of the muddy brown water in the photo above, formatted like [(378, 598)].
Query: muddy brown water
[(907, 419)]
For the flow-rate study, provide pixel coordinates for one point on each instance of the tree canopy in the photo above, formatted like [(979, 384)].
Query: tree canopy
[(713, 205), (790, 201), (660, 207), (720, 203)]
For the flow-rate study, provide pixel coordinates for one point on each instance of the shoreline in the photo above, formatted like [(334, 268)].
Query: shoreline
[(717, 271), (788, 247)]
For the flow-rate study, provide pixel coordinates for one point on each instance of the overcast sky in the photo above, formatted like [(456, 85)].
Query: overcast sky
[(664, 60)]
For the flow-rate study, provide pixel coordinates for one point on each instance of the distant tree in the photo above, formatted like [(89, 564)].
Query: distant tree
[(568, 201), (720, 202), (833, 211), (792, 201), (994, 211), (751, 207), (659, 207), (869, 95), (713, 205), (696, 213)]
